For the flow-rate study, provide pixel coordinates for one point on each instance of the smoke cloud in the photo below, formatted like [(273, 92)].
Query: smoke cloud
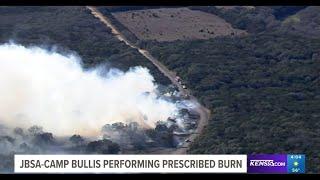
[(51, 90)]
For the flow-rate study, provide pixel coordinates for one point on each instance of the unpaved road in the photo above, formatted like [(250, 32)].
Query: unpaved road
[(203, 112)]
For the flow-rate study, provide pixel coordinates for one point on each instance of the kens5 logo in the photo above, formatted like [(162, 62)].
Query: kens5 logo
[(266, 163)]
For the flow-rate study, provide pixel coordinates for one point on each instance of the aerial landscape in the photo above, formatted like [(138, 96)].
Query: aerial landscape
[(159, 80)]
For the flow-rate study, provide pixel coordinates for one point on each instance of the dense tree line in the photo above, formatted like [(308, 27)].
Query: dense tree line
[(281, 12), (253, 20), (302, 20), (263, 90)]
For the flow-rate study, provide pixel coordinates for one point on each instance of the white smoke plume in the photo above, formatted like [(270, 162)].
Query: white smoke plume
[(48, 89)]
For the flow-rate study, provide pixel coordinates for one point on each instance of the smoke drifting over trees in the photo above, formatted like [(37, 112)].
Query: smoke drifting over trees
[(49, 104), (51, 90)]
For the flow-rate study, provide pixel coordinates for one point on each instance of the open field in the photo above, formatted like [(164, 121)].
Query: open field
[(170, 24), (233, 7)]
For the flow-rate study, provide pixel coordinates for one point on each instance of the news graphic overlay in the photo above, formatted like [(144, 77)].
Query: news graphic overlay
[(264, 163), (130, 164), (296, 163), (276, 164)]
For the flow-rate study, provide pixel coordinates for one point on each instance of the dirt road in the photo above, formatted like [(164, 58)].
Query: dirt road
[(203, 112)]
